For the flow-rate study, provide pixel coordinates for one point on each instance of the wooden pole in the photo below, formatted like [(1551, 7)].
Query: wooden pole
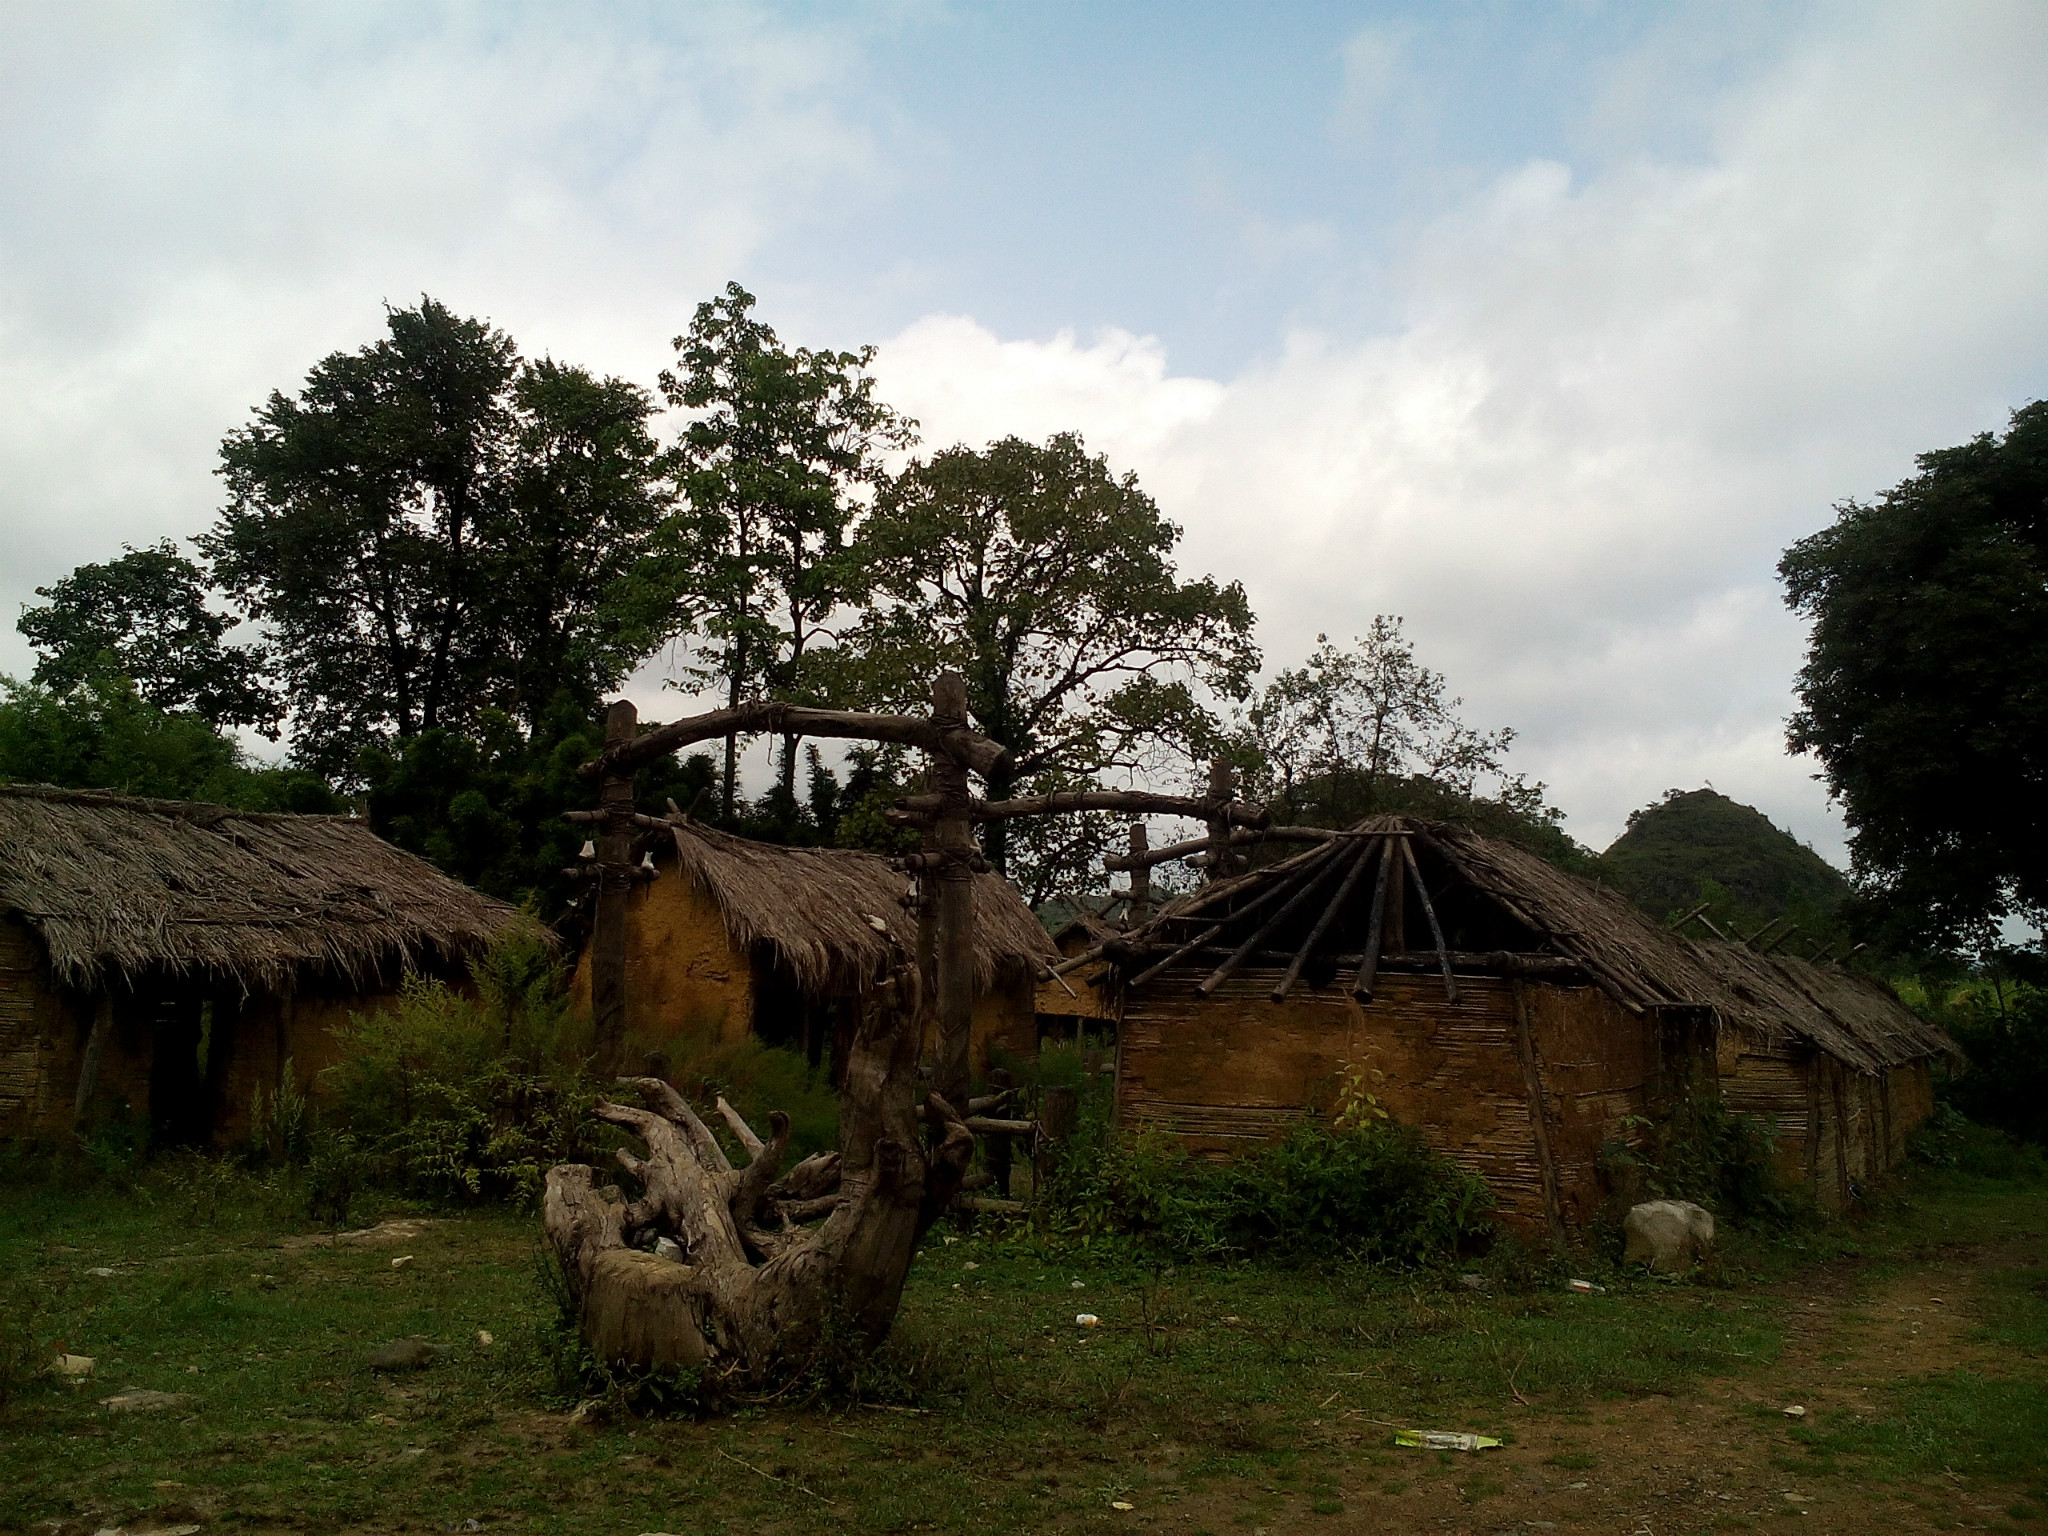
[(1223, 863), (951, 855), (614, 884), (1315, 936), (1539, 1127), (1139, 906), (1375, 925), (1436, 931)]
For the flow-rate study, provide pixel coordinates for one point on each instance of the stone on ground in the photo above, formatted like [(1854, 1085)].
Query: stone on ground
[(1670, 1236), (404, 1355)]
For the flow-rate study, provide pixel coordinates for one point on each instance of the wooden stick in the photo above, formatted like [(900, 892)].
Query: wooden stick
[(1315, 936), (1375, 926), (1539, 1126), (1679, 922), (954, 741), (984, 1125), (1304, 886), (1243, 813), (1186, 949), (1429, 911)]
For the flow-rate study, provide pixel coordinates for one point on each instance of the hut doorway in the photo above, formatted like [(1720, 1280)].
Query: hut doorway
[(785, 1016), (180, 1107)]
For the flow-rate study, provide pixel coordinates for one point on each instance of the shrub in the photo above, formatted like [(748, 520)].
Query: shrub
[(1357, 1183), (1702, 1153), (463, 1094)]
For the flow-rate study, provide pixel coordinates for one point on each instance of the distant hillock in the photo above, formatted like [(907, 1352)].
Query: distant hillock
[(1697, 845)]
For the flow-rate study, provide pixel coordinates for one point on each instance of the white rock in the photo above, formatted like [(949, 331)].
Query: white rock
[(1670, 1236)]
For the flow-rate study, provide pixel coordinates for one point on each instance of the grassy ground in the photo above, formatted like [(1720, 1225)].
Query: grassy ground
[(1252, 1399)]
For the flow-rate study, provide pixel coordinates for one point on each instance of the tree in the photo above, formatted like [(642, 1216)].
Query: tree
[(1921, 694), (778, 446), (432, 528), (145, 617), (1367, 729), (103, 734), (1048, 581)]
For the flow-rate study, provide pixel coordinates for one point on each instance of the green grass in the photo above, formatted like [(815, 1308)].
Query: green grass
[(1217, 1389)]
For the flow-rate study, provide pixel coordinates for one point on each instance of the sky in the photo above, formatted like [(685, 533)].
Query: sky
[(1547, 327)]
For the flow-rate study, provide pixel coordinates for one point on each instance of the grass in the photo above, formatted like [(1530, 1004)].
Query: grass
[(1209, 1392)]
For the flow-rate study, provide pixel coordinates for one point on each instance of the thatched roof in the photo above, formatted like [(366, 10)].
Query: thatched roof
[(116, 885), (1775, 998), (810, 906)]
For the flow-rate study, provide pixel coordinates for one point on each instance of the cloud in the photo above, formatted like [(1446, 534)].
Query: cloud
[(197, 202), (1610, 403)]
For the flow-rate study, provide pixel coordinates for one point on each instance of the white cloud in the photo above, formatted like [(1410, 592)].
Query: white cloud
[(198, 202), (1611, 405)]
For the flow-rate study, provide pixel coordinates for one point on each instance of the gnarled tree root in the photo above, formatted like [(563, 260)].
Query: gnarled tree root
[(754, 1287)]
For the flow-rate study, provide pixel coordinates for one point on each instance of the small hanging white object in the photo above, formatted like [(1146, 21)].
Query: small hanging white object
[(589, 851), (647, 859)]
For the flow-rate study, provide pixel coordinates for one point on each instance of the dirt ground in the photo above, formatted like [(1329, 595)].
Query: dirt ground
[(1715, 1459)]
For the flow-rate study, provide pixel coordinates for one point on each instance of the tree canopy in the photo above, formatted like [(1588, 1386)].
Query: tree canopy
[(1048, 581), (1922, 691), (778, 445), (145, 617), (433, 527)]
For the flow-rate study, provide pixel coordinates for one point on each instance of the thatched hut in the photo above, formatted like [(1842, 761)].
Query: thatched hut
[(1522, 1017), (165, 959), (732, 938)]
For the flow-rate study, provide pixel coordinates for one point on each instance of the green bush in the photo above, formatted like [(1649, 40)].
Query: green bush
[(1364, 1186), (1702, 1153), (755, 1078), (462, 1094)]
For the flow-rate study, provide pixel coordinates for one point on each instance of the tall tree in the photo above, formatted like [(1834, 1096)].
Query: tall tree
[(1048, 581), (1369, 728), (779, 446), (432, 528), (1922, 692), (145, 617)]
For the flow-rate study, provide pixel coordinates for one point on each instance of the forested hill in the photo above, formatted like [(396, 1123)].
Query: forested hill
[(1674, 852)]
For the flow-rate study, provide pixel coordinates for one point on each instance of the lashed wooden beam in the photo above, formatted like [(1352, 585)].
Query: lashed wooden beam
[(1304, 885), (1375, 926), (1429, 911), (954, 740), (1315, 935)]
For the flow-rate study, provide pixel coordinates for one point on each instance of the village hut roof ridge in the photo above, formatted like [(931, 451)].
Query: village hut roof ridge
[(811, 907), (1645, 965), (123, 884)]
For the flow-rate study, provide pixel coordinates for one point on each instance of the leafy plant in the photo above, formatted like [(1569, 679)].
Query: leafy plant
[(1699, 1152)]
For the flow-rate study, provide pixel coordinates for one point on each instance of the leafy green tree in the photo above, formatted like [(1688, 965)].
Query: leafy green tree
[(432, 528), (1369, 729), (145, 617), (103, 734), (1922, 694), (778, 448), (1048, 581)]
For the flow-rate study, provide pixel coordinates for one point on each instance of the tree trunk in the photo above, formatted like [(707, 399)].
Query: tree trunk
[(614, 885), (951, 855), (756, 1293)]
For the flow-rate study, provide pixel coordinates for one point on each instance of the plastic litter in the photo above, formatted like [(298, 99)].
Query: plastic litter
[(483, 1337), (1796, 1411), (1121, 1504), (75, 1365), (1586, 1288), (1087, 1319), (402, 1261), (1444, 1440)]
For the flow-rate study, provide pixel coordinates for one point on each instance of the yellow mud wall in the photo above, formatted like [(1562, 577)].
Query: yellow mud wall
[(1005, 1018), (1596, 1064), (683, 976)]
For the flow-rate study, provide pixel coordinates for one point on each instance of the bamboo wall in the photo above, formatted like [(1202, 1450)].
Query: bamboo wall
[(1835, 1129), (1229, 1072)]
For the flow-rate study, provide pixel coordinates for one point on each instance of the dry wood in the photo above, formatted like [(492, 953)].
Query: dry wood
[(739, 1127), (1315, 934), (1181, 953), (1242, 813), (1304, 885), (988, 1205), (1436, 931), (750, 1304), (983, 1125), (1140, 899), (614, 856), (952, 740), (1375, 926), (1539, 1124)]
